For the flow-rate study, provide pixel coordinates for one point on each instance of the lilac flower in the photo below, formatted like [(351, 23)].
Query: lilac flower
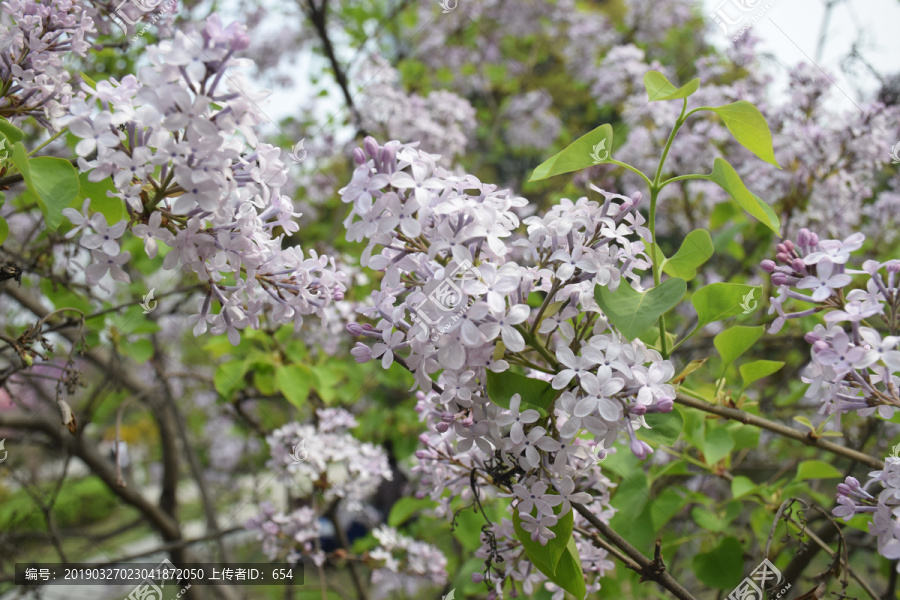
[(536, 497), (539, 528), (517, 419), (825, 281)]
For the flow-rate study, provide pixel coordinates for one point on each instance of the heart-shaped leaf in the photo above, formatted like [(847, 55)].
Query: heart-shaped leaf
[(52, 182), (733, 342), (695, 250), (632, 312), (659, 88), (720, 301), (749, 128), (590, 149)]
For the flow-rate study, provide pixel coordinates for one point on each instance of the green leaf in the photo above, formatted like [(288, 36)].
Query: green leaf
[(728, 179), (536, 394), (720, 301), (741, 486), (733, 342), (665, 427), (695, 250), (4, 230), (723, 566), (718, 445), (52, 182), (10, 131), (110, 207), (817, 469), (141, 350), (545, 557), (405, 508), (707, 519), (294, 381), (590, 149), (659, 88), (228, 377), (88, 80), (749, 128), (569, 575), (633, 312), (758, 369)]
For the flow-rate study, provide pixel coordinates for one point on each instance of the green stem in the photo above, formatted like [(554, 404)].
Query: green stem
[(646, 179), (53, 137), (654, 196), (538, 346), (682, 178)]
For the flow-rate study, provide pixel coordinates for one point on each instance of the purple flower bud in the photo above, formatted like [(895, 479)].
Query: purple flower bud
[(843, 489), (420, 495), (354, 328), (468, 421), (423, 437), (371, 146), (477, 577), (803, 237), (820, 346), (421, 454), (852, 483), (813, 240), (781, 248), (779, 278), (640, 449), (492, 596), (789, 245), (368, 327), (442, 427), (812, 337), (636, 198), (768, 265), (665, 405), (514, 593), (361, 353), (783, 257), (798, 265), (637, 409), (338, 295), (892, 266), (359, 157), (388, 156), (448, 417)]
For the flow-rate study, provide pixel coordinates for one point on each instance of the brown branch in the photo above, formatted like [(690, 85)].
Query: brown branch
[(783, 430), (649, 569)]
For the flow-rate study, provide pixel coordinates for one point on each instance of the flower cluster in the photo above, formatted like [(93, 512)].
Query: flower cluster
[(854, 498), (466, 298), (326, 458), (854, 357), (324, 465), (37, 34), (441, 121), (171, 143)]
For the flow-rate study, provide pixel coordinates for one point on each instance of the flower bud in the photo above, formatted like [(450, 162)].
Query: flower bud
[(468, 421), (371, 146), (779, 278), (813, 240), (354, 329), (477, 577), (361, 353), (789, 245), (798, 265), (367, 327), (442, 427), (803, 237), (768, 265), (812, 337), (637, 409), (781, 248), (665, 405), (852, 483), (421, 454), (448, 417), (820, 346), (636, 198), (892, 266), (359, 157), (420, 495), (640, 449), (783, 257), (844, 490)]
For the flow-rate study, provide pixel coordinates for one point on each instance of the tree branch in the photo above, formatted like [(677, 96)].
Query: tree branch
[(783, 430)]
